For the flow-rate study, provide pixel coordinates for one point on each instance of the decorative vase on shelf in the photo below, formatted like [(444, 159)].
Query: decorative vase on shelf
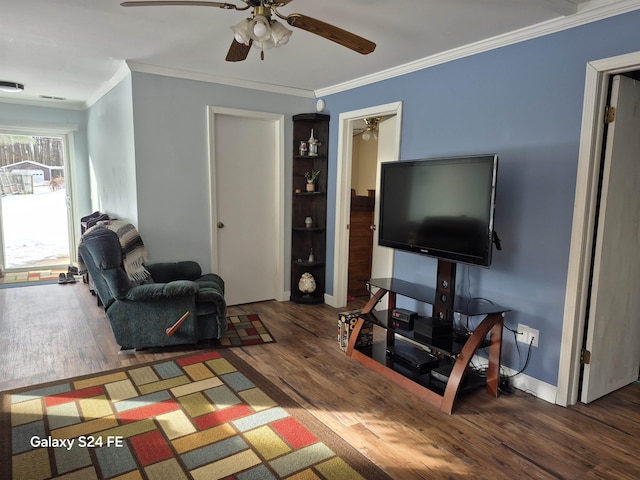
[(307, 283), (313, 145), (312, 257), (311, 186)]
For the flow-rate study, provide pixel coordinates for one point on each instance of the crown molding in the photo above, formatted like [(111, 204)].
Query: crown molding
[(587, 13), (116, 78), (204, 77), (65, 105)]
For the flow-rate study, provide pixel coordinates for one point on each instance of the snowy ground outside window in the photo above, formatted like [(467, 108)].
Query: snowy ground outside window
[(35, 228)]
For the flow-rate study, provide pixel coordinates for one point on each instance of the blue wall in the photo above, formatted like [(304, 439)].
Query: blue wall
[(523, 102)]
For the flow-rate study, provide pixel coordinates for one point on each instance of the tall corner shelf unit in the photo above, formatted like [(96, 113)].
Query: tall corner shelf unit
[(308, 241), (459, 351)]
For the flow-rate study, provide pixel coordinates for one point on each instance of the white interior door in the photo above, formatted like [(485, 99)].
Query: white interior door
[(614, 319), (382, 257), (244, 210)]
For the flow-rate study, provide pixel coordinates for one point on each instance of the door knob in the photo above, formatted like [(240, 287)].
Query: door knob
[(372, 227), (220, 225)]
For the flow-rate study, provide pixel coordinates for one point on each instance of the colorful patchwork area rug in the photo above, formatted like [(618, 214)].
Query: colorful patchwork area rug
[(26, 279), (243, 330), (202, 416)]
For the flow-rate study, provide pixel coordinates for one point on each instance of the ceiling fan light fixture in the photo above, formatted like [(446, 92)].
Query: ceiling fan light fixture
[(372, 128), (11, 87), (242, 31), (260, 28), (279, 33), (266, 45)]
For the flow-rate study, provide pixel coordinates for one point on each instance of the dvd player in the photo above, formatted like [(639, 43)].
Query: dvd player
[(440, 377), (412, 358)]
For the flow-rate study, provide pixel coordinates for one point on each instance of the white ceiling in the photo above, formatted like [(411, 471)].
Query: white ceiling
[(74, 48)]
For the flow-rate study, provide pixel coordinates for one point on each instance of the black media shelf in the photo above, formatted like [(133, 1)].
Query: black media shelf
[(378, 352), (435, 369), (448, 345)]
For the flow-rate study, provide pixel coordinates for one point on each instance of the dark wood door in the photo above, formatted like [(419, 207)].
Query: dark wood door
[(360, 244)]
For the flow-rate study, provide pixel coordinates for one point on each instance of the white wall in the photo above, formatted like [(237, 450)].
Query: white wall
[(112, 154), (364, 165), (172, 162)]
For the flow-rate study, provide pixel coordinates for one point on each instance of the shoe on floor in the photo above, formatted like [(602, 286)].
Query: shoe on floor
[(70, 278), (62, 278)]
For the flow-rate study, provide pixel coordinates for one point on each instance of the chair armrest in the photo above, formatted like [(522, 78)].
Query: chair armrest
[(211, 280), (162, 291), (170, 271)]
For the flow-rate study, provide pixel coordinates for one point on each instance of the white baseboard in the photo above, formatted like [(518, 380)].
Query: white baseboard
[(527, 384), (331, 301)]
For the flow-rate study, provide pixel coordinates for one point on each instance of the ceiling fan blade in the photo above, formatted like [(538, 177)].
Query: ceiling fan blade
[(238, 51), (331, 32), (227, 6)]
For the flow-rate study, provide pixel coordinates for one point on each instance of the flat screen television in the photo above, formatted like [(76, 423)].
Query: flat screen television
[(441, 207)]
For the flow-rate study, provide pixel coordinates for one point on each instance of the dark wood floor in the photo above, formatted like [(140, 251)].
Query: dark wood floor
[(56, 331)]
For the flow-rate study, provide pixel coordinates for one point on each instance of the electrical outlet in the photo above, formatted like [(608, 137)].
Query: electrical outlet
[(523, 333), (526, 334)]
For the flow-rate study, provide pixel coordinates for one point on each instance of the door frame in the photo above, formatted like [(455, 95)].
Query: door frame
[(598, 74), (66, 133), (346, 126), (277, 182)]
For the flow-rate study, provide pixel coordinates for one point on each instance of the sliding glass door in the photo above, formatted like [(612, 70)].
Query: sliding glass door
[(34, 201)]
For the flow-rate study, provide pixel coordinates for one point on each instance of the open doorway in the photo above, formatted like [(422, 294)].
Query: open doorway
[(34, 200), (364, 163), (388, 150)]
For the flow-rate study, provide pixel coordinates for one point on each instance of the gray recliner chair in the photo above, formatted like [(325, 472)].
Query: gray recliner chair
[(147, 314)]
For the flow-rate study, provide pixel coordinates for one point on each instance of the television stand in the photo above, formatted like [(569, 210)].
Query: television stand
[(459, 350)]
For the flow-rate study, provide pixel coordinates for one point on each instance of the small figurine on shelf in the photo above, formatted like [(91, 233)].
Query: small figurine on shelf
[(308, 222), (313, 145), (303, 148), (311, 178)]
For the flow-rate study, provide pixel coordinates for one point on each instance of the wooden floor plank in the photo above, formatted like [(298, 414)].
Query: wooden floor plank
[(50, 332)]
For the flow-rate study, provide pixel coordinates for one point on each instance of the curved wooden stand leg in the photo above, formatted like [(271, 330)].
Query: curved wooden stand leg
[(355, 333), (491, 323), (373, 301), (495, 354)]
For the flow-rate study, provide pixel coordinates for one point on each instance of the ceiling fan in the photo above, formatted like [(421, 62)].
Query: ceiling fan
[(370, 129), (264, 32)]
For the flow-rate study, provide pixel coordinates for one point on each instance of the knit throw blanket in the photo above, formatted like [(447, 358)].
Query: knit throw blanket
[(134, 253)]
